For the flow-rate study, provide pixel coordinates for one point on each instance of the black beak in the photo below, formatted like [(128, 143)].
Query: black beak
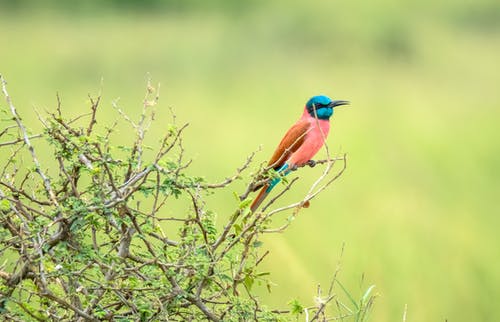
[(338, 103)]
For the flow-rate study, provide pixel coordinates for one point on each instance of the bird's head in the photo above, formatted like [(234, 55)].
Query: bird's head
[(322, 106)]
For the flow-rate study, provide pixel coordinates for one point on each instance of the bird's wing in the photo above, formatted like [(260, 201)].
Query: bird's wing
[(292, 140)]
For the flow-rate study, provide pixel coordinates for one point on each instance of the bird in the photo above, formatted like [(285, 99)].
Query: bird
[(301, 142)]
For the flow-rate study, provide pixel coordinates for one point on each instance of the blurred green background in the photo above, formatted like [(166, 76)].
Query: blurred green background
[(418, 207)]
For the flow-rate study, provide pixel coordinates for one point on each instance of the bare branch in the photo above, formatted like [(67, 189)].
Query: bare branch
[(13, 142), (27, 141), (95, 104), (237, 175)]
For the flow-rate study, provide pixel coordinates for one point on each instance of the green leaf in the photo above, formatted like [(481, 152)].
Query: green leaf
[(367, 294), (99, 313), (348, 295), (4, 205), (245, 203), (248, 282), (237, 229), (226, 277), (268, 285), (257, 243), (296, 307), (245, 213)]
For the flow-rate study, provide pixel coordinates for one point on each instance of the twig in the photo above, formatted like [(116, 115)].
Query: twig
[(19, 140), (309, 196), (93, 121), (237, 175), (26, 138)]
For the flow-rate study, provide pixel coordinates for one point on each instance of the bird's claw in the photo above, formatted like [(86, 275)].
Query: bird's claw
[(311, 163)]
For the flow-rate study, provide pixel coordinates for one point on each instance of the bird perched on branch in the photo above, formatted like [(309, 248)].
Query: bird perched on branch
[(302, 141)]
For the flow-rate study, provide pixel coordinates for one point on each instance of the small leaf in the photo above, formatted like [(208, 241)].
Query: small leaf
[(268, 285), (245, 213), (226, 277), (296, 307), (4, 205), (257, 243), (348, 295), (237, 229), (248, 282), (245, 203), (367, 294)]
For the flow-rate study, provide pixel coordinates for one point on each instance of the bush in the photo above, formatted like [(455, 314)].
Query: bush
[(85, 241)]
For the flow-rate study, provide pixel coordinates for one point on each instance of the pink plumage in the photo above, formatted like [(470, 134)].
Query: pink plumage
[(317, 132), (302, 141)]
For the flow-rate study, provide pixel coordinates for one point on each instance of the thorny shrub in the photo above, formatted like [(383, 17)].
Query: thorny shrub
[(85, 240)]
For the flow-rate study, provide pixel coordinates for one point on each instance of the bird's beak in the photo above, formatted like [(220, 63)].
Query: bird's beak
[(338, 103)]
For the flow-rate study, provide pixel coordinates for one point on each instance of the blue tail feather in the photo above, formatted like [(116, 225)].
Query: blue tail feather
[(285, 170), (268, 187)]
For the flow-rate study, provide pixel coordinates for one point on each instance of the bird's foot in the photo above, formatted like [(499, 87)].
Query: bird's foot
[(311, 163)]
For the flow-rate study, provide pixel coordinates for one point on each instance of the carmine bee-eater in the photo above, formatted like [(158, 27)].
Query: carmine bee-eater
[(302, 141)]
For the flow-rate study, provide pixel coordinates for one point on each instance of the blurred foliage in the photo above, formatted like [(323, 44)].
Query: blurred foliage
[(417, 207), (146, 6)]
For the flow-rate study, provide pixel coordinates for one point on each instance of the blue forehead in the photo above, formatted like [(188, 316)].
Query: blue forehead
[(319, 100)]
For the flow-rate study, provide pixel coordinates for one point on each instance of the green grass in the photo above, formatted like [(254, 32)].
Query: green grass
[(417, 207)]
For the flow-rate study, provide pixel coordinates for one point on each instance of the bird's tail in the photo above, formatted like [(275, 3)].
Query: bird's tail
[(266, 189), (260, 197)]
